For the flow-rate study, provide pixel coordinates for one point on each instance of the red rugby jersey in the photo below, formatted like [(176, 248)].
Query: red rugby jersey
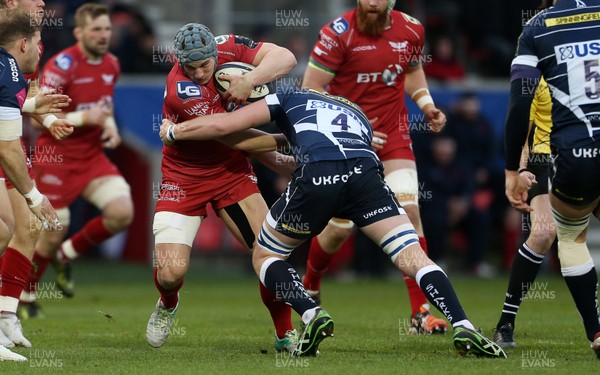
[(86, 83), (370, 70), (184, 100)]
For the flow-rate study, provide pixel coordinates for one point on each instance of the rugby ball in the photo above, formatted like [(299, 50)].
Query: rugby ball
[(240, 68)]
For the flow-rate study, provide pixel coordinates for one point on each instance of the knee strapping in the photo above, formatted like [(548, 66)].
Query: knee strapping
[(398, 239), (575, 258), (405, 185), (112, 189)]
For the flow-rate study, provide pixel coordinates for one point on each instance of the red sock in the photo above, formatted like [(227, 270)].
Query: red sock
[(169, 297), (280, 312), (40, 263), (415, 294), (15, 272), (316, 265), (93, 233)]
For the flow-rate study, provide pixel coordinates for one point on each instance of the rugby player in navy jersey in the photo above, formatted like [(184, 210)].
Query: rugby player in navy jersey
[(338, 174), (562, 43), (19, 53)]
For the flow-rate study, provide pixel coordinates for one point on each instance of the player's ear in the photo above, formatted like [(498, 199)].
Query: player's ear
[(77, 33), (24, 44)]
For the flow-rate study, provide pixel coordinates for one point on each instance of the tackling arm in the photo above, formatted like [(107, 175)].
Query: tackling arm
[(216, 125), (253, 140)]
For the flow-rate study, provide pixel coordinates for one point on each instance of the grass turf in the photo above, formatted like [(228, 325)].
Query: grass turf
[(223, 328)]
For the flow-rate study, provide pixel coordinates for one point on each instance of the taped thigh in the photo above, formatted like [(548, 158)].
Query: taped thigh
[(341, 223), (399, 239), (113, 188), (405, 185), (171, 227)]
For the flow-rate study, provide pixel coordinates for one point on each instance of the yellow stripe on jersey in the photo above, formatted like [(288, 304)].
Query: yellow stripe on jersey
[(541, 115), (576, 18)]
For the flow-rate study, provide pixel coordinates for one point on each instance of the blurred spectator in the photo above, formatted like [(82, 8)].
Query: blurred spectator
[(450, 190), (477, 151), (444, 65), (134, 43)]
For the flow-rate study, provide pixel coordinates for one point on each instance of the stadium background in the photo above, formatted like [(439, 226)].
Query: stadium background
[(466, 52)]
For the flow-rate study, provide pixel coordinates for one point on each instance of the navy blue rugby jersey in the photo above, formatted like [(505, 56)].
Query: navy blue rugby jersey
[(13, 88), (563, 42), (321, 127)]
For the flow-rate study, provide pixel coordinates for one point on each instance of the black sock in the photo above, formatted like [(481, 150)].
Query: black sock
[(524, 269), (285, 283), (584, 289), (439, 292)]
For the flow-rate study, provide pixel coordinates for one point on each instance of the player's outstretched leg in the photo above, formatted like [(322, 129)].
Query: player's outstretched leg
[(398, 238)]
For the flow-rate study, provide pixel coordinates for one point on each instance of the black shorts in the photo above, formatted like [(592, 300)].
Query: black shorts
[(576, 178), (540, 165), (351, 189)]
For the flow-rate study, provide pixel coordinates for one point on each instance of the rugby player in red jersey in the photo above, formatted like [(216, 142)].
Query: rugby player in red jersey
[(372, 56), (77, 166), (198, 173)]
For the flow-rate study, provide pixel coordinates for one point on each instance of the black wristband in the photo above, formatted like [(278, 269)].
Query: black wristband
[(524, 170)]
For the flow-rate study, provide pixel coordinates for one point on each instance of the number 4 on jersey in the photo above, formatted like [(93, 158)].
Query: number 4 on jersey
[(341, 120)]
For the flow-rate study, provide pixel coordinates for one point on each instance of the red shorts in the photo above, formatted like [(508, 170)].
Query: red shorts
[(398, 146), (64, 182), (191, 198), (9, 184)]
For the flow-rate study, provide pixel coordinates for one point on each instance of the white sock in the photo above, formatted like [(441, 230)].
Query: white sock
[(309, 314), (464, 323), (68, 250), (8, 304)]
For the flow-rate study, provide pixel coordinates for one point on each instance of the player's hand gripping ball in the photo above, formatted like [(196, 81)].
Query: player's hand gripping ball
[(240, 68)]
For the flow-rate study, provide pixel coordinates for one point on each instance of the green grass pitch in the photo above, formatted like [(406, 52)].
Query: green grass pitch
[(223, 328)]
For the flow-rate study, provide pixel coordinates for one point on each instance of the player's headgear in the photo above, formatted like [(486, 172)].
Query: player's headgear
[(194, 42), (390, 5)]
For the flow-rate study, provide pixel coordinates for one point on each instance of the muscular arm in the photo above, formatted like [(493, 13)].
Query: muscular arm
[(272, 62), (416, 87), (316, 79), (253, 140), (221, 124), (14, 165)]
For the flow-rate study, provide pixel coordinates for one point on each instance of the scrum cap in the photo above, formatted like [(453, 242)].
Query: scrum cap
[(194, 42)]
